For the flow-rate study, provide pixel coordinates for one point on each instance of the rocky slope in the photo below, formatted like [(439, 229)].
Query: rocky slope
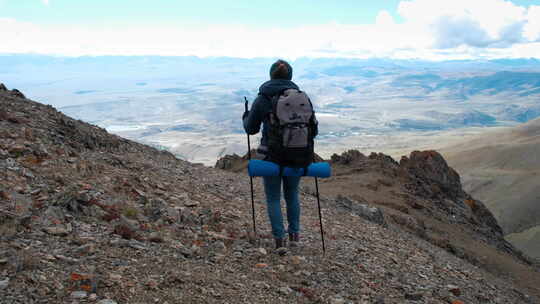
[(501, 167), (422, 195), (86, 217)]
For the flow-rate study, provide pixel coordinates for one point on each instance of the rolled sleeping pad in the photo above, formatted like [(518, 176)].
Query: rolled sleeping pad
[(257, 167)]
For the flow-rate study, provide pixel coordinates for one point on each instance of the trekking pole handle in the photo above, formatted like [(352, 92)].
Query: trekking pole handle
[(246, 104)]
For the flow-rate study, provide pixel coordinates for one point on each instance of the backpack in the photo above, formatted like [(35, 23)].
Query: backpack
[(291, 130)]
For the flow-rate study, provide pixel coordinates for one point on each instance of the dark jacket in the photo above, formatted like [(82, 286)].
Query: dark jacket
[(262, 106)]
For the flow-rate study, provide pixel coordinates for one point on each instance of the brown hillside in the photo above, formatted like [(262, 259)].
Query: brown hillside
[(502, 168)]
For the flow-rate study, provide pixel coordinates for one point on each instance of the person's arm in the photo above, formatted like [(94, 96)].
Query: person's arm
[(253, 119)]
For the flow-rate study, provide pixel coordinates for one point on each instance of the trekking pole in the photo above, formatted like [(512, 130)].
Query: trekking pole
[(320, 215), (251, 181)]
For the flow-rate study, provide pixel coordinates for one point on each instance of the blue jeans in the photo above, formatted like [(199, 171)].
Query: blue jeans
[(272, 188)]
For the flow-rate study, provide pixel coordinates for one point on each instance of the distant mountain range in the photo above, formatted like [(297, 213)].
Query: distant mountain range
[(523, 82)]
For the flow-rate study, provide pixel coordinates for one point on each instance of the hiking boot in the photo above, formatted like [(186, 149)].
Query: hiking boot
[(294, 239), (280, 246), (280, 243)]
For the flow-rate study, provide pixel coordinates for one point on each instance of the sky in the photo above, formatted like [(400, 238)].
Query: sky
[(403, 29)]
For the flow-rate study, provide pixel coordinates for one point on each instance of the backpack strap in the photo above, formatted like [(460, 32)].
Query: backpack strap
[(267, 115), (265, 96), (273, 99)]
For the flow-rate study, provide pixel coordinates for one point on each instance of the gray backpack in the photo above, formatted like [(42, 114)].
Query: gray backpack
[(292, 127)]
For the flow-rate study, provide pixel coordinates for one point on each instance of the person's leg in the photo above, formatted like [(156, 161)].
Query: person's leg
[(272, 185), (290, 192)]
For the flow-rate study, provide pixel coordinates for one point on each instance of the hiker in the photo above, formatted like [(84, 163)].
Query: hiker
[(261, 113)]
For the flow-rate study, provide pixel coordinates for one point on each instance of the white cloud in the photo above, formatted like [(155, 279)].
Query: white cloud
[(46, 2), (432, 29), (532, 28), (22, 37), (478, 23)]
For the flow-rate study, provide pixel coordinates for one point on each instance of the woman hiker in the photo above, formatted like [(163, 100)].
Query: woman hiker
[(280, 80)]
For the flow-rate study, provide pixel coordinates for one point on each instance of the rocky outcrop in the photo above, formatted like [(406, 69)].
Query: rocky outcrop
[(348, 157), (432, 178), (234, 163), (228, 162), (430, 168), (431, 191), (17, 93), (13, 93)]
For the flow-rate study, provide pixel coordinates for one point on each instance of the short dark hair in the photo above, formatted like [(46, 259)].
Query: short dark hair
[(281, 69)]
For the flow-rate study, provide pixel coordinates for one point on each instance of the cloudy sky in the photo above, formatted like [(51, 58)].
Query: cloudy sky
[(426, 29)]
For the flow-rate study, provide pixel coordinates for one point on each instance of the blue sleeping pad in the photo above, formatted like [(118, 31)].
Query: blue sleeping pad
[(257, 167)]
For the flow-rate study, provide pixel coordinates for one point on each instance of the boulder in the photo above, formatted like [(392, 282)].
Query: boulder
[(372, 214)]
